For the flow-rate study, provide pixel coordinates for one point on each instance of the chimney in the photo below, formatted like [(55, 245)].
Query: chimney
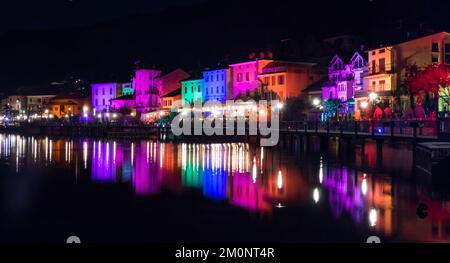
[(252, 55), (261, 55)]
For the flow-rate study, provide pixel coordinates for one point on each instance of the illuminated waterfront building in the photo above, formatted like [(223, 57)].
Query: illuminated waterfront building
[(192, 90), (147, 90), (216, 84), (103, 93)]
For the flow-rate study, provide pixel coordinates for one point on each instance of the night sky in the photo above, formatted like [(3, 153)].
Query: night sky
[(104, 40), (44, 14)]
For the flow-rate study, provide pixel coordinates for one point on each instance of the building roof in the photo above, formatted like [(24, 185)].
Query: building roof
[(172, 93)]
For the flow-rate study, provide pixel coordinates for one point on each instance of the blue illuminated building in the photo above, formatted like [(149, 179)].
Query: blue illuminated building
[(215, 85)]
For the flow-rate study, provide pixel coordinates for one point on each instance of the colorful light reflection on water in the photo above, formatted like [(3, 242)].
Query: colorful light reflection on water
[(258, 180)]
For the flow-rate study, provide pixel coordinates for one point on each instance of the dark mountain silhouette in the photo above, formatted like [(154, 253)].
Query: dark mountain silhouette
[(208, 34)]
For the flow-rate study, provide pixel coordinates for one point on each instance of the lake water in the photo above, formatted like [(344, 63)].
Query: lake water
[(150, 191)]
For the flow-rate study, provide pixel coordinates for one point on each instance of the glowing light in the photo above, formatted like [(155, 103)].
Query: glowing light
[(46, 111), (99, 115), (373, 96), (364, 187), (107, 115), (114, 115), (364, 104), (280, 180), (316, 195), (280, 105), (316, 102), (373, 215)]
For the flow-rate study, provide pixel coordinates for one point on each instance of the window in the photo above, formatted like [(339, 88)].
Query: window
[(103, 91), (96, 92), (381, 51), (185, 89), (223, 89), (198, 88), (103, 101), (96, 102), (382, 65), (110, 91), (434, 47), (206, 78), (217, 77), (247, 76), (373, 67), (239, 77), (434, 58), (217, 89), (273, 80), (382, 84), (281, 80)]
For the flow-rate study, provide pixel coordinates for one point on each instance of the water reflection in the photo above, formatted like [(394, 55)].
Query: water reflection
[(258, 180)]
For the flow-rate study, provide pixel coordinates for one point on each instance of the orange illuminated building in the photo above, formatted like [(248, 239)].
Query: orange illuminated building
[(288, 79), (388, 65), (68, 106)]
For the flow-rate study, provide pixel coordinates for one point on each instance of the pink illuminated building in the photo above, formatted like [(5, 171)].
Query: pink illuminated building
[(244, 76), (147, 90)]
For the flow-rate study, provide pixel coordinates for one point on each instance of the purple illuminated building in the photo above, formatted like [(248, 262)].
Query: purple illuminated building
[(103, 93), (345, 79)]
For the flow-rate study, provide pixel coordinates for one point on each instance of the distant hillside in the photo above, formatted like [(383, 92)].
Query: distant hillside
[(205, 34)]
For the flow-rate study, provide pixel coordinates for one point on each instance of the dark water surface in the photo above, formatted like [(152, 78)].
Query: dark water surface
[(149, 191)]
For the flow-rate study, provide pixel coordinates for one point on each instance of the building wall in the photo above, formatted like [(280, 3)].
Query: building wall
[(168, 102), (36, 103), (192, 90), (70, 106), (17, 103), (119, 103), (102, 93), (147, 90), (215, 85), (244, 76), (172, 81)]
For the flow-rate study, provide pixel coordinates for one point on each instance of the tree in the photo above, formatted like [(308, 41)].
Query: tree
[(332, 107), (434, 80)]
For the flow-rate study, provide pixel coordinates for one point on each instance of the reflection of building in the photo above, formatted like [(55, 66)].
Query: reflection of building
[(104, 162), (344, 194), (103, 93), (147, 174), (247, 194)]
